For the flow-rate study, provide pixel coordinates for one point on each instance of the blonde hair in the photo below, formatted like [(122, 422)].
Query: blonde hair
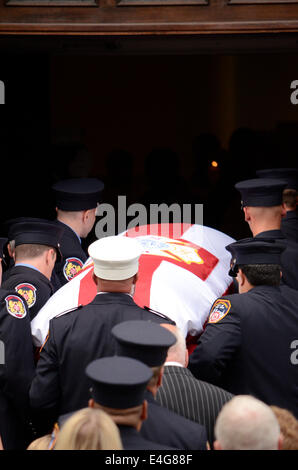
[(42, 443), (89, 429)]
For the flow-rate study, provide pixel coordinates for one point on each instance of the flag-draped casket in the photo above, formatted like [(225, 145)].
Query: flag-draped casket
[(182, 270)]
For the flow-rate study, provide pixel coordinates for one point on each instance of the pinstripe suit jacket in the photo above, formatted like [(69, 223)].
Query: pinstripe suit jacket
[(194, 399)]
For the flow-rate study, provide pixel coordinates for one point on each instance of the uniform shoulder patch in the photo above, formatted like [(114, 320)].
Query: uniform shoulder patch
[(28, 292), (220, 309), (71, 267), (15, 306)]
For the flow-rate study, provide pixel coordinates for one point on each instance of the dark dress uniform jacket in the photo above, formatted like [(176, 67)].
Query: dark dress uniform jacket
[(132, 440), (249, 349), (289, 258), (194, 399), (73, 255), (289, 226), (56, 284), (16, 370), (75, 339), (34, 287), (171, 429)]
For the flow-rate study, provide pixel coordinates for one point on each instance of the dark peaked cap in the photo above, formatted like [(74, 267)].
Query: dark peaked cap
[(261, 192), (118, 382), (143, 340), (78, 194), (290, 175), (255, 251), (39, 233)]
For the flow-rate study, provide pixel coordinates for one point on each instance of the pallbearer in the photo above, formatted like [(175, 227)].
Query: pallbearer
[(16, 368), (248, 346), (289, 223), (76, 202), (262, 202), (36, 249)]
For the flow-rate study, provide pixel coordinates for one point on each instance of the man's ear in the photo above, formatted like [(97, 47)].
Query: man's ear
[(144, 413), (283, 210), (240, 277), (280, 441), (247, 215), (10, 252), (216, 445), (186, 358), (135, 278), (159, 381), (85, 215), (96, 280), (91, 403), (54, 254), (50, 254)]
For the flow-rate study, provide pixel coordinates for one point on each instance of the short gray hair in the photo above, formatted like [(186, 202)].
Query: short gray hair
[(246, 423)]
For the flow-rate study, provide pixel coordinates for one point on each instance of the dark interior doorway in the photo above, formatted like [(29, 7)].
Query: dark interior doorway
[(150, 125)]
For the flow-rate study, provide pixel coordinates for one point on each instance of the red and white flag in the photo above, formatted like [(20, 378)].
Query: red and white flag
[(182, 270)]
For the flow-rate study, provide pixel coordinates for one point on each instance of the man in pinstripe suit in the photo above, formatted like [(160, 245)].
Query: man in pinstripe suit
[(187, 396)]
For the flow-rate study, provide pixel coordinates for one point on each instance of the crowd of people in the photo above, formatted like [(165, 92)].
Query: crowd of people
[(114, 376)]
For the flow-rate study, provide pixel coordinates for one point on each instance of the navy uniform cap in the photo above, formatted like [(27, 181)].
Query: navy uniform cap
[(261, 192), (78, 194), (118, 382), (290, 175), (250, 251), (147, 341), (39, 233)]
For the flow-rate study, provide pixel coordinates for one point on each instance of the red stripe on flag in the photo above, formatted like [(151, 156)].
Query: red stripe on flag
[(88, 289), (147, 265)]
